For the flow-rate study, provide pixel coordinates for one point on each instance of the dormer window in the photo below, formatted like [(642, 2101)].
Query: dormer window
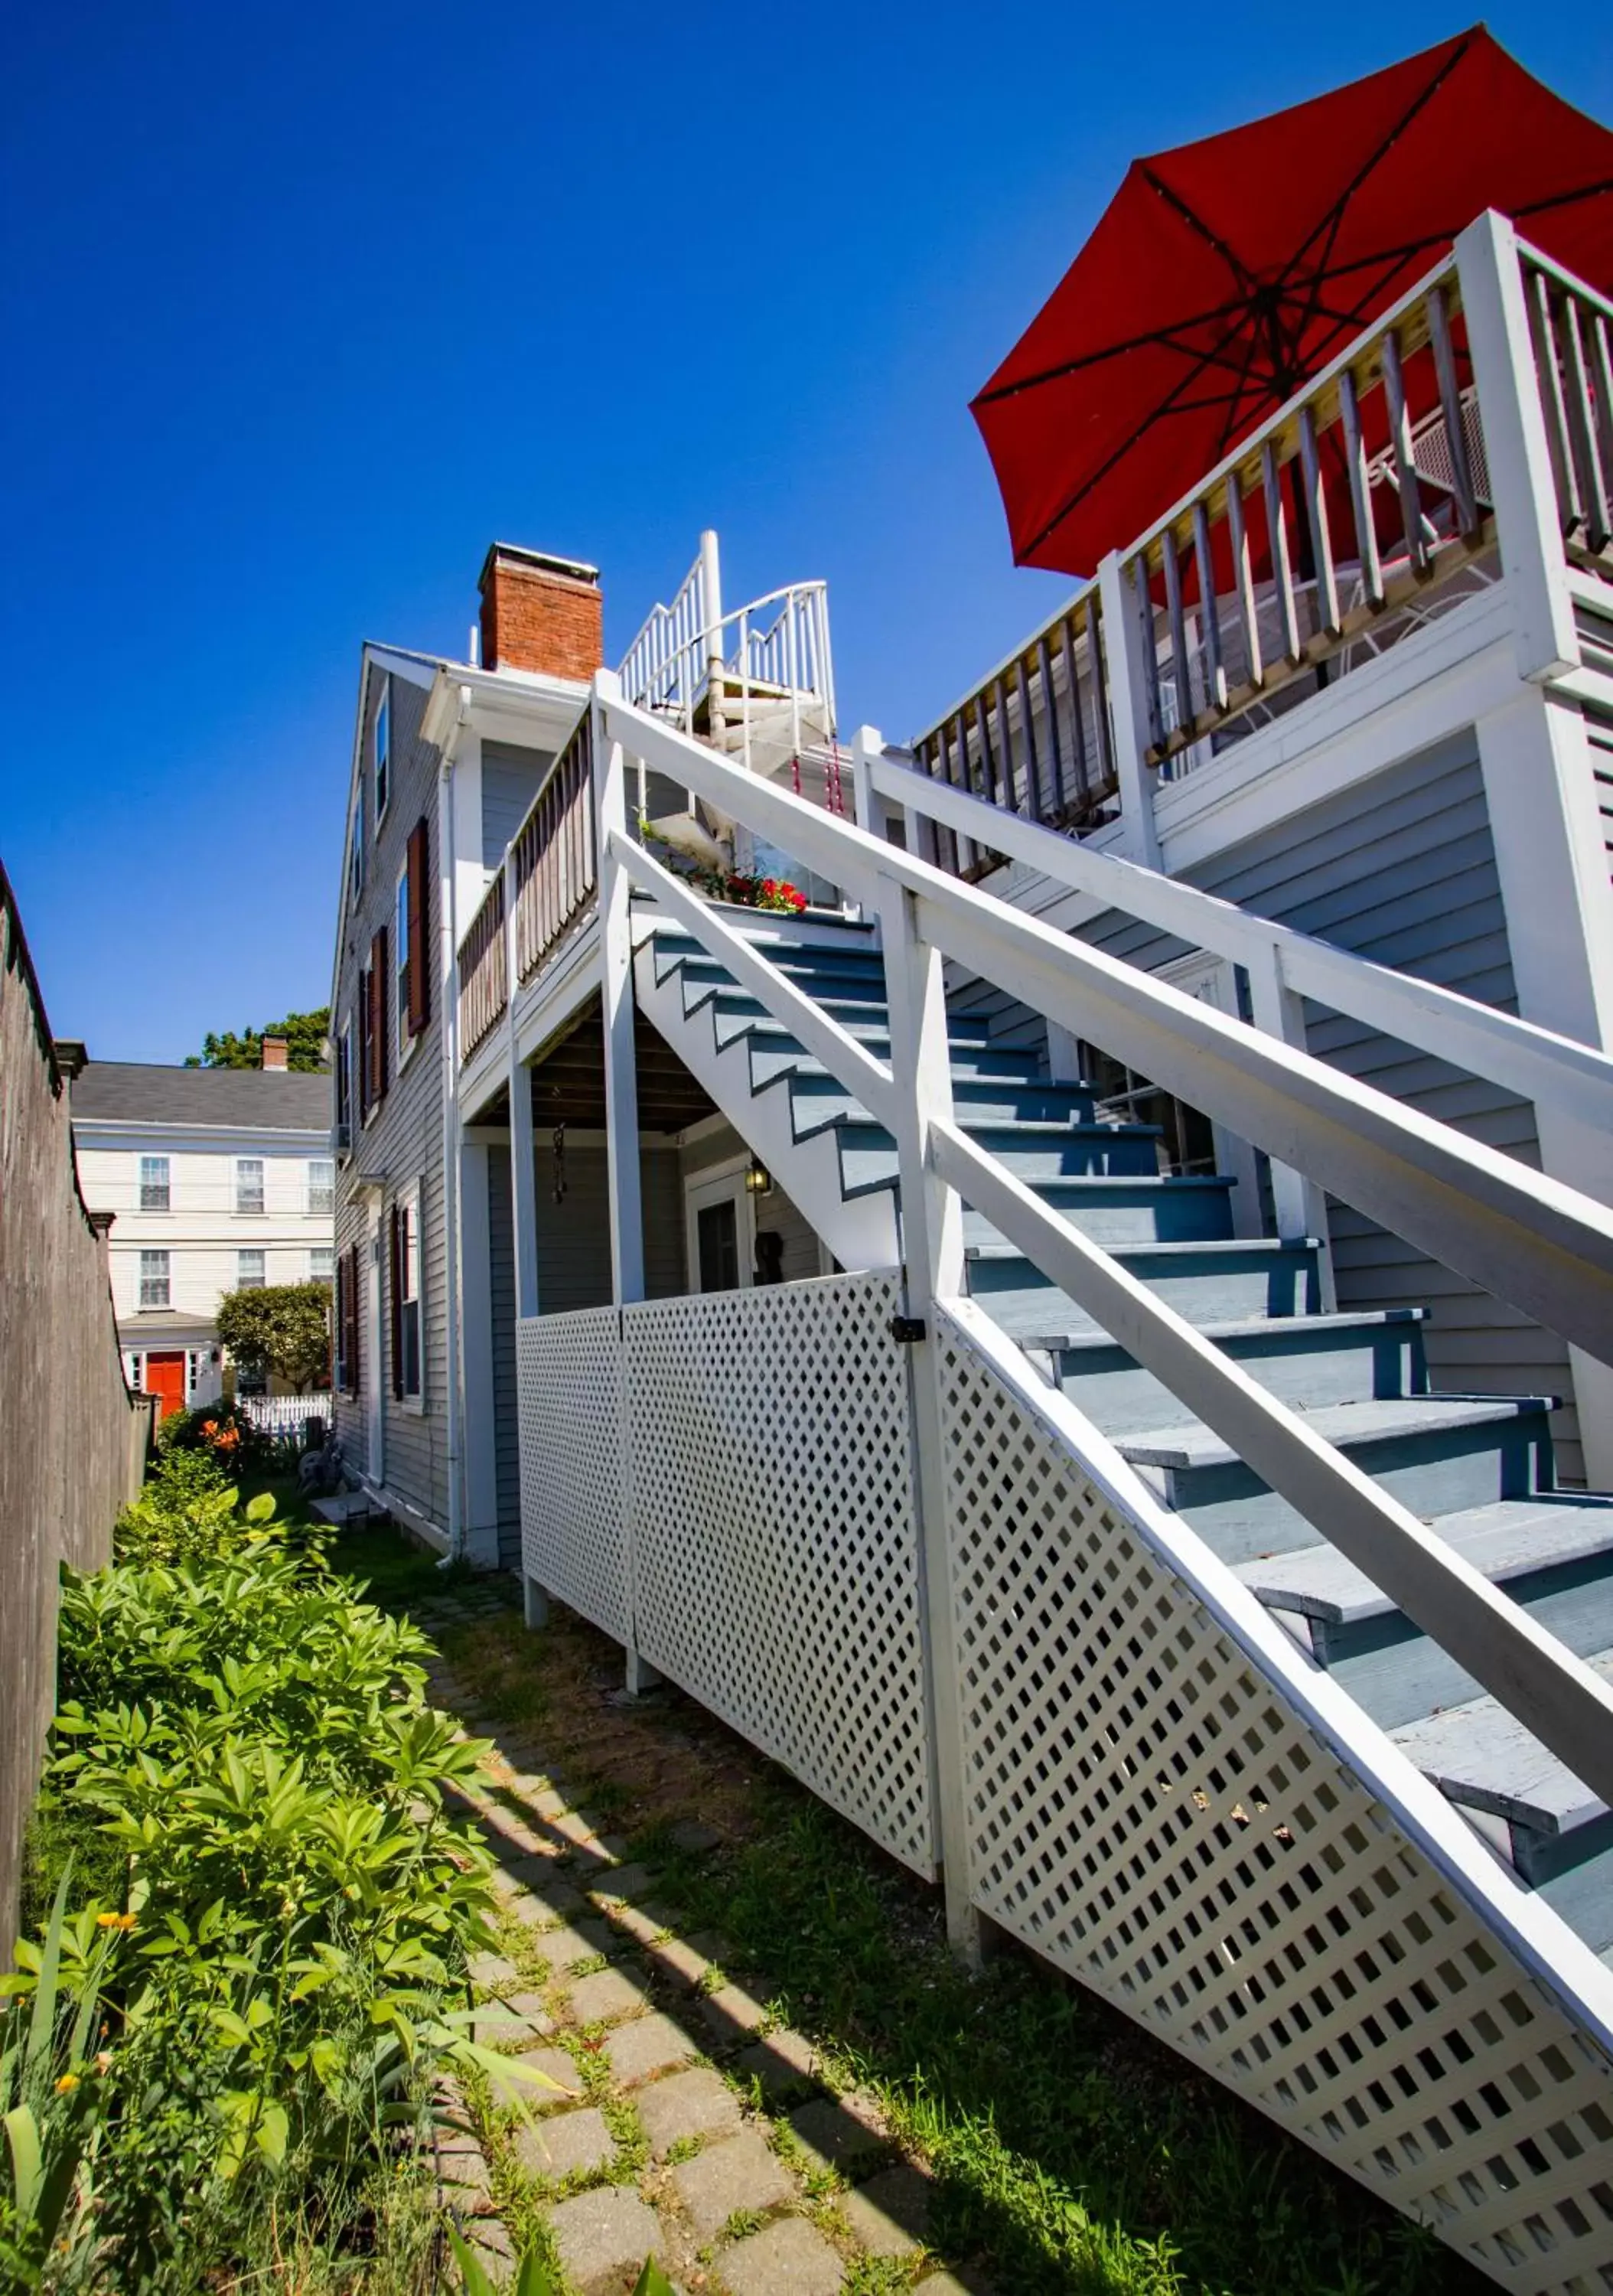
[(383, 749)]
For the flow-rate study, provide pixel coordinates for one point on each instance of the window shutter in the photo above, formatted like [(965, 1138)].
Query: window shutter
[(363, 1045), (347, 1272), (420, 969), (378, 1015), (396, 1261)]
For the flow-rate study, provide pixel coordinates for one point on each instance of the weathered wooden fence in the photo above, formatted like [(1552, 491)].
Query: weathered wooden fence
[(72, 1440)]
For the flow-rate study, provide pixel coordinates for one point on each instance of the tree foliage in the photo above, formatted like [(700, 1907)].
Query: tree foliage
[(305, 1034), (281, 1328)]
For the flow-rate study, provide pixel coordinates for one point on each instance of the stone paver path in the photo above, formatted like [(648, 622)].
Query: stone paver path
[(692, 2126)]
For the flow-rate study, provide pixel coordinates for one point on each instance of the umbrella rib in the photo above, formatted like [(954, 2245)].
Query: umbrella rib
[(1333, 222), (1167, 406), (1233, 402), (1195, 222), (1163, 336)]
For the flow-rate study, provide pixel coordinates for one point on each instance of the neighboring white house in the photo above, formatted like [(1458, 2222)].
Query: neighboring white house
[(216, 1180)]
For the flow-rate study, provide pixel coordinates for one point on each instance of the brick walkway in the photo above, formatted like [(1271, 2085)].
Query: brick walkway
[(693, 2127)]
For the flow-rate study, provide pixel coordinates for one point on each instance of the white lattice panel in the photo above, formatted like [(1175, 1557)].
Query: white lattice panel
[(573, 1506), (1149, 1811), (774, 1541)]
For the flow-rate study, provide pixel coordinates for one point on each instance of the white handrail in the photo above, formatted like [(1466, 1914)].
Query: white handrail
[(1568, 1708), (1532, 1062), (1529, 1238)]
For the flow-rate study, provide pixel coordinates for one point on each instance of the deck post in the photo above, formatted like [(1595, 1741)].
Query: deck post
[(624, 1179), (1516, 447), (932, 1252), (1127, 668), (1298, 1204)]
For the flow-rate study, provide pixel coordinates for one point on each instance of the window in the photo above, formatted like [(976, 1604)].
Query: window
[(248, 1184), (322, 1263), (322, 1187), (373, 1025), (154, 1279), (407, 1305), (153, 1184), (383, 749), (355, 848), (249, 1271)]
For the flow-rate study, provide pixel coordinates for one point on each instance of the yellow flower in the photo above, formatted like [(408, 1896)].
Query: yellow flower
[(114, 1921), (66, 2083)]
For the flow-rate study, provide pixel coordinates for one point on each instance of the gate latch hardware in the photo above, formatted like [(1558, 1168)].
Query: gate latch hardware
[(907, 1329)]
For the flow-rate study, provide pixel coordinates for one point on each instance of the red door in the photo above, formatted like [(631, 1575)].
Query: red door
[(165, 1379)]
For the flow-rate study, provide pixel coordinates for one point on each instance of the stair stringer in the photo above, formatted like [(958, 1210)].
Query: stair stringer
[(1167, 1799), (861, 1231)]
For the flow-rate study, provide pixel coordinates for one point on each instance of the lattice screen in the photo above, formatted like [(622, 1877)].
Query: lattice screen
[(1151, 1813), (573, 1506), (775, 1563)]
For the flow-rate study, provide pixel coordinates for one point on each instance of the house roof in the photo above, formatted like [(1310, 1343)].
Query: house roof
[(263, 1100)]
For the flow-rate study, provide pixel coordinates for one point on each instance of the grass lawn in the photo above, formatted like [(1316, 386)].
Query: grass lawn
[(1070, 2152)]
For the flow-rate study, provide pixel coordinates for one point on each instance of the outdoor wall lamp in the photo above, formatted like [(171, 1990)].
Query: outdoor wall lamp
[(758, 1180)]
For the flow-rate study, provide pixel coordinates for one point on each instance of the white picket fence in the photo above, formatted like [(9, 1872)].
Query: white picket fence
[(283, 1414)]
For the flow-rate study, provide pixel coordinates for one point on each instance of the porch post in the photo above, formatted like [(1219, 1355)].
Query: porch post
[(477, 1440), (1127, 667), (1298, 1204), (616, 983), (932, 1253), (621, 1097), (1516, 448)]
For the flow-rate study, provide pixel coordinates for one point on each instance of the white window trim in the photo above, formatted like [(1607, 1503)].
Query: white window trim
[(154, 1306), (401, 1037), (240, 1210), (330, 1274), (719, 1184), (382, 784), (242, 1252), (408, 1199), (167, 1163), (312, 1209)]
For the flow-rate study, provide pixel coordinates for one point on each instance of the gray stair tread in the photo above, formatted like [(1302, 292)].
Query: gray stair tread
[(1480, 1755), (1250, 1327), (1192, 1444), (1503, 1539), (1255, 1247)]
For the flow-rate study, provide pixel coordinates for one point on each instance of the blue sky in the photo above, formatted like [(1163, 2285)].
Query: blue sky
[(304, 306)]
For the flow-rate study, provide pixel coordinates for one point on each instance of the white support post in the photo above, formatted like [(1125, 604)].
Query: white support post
[(616, 968), (624, 1178), (1516, 448), (869, 809), (1300, 1206), (711, 587), (1540, 790), (477, 1448), (1127, 667), (932, 1251)]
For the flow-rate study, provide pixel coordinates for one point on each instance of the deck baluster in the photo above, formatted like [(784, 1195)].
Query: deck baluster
[(1055, 747), (1145, 606), (1405, 468), (1243, 579), (1033, 770), (1315, 511), (1282, 564), (1180, 670), (1593, 482), (1214, 672), (1077, 732), (1008, 770), (1361, 499), (1467, 515), (1108, 770)]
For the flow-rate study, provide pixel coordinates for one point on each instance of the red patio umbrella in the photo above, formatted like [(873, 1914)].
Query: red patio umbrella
[(1224, 273)]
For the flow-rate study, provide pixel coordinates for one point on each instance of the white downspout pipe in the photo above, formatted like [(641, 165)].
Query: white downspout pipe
[(448, 937)]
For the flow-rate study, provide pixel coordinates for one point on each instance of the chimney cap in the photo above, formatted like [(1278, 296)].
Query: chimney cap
[(541, 561)]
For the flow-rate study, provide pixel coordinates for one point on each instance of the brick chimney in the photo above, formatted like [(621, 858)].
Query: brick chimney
[(274, 1055), (540, 613)]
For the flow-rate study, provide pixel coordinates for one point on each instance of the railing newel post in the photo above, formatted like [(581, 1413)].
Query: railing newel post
[(1132, 683), (932, 1254)]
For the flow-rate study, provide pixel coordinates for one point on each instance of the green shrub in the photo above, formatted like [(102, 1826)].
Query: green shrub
[(271, 1931), (221, 1432)]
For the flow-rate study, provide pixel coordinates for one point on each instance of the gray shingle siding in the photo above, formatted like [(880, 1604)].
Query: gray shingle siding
[(403, 1139), (574, 1237), (506, 1413), (509, 779)]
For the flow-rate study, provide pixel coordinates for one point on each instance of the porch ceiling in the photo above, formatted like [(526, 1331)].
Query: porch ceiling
[(568, 1079)]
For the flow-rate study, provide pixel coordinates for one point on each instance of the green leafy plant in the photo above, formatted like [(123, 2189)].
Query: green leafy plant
[(280, 1329)]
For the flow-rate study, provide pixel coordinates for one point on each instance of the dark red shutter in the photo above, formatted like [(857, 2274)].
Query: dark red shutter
[(346, 1275), (378, 1015), (420, 969), (363, 1046), (397, 1368)]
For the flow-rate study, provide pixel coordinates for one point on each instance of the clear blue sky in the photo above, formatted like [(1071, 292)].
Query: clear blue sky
[(304, 305)]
